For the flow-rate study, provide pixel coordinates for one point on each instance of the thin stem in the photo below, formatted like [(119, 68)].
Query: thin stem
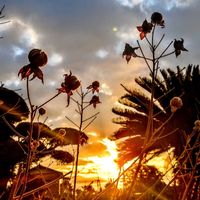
[(72, 121), (144, 56), (87, 92), (74, 100), (89, 123), (78, 145), (49, 100), (28, 94), (161, 55), (90, 117), (149, 59), (78, 93), (148, 42), (159, 41), (86, 106), (29, 156), (168, 54), (149, 128)]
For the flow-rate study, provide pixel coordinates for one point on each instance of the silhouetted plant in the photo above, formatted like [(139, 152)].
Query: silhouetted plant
[(83, 101), (166, 118), (34, 140)]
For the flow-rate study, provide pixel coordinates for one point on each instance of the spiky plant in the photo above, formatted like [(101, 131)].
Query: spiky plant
[(133, 115)]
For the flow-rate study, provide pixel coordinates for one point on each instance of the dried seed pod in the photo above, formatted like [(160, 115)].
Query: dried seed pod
[(175, 104), (37, 57)]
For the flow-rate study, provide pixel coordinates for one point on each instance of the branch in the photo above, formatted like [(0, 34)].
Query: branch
[(72, 121), (90, 117), (89, 123), (49, 100), (159, 41), (144, 57), (161, 55)]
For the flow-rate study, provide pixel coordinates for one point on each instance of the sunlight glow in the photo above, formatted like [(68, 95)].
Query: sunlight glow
[(106, 165), (101, 53), (92, 134), (114, 29), (105, 89), (164, 163)]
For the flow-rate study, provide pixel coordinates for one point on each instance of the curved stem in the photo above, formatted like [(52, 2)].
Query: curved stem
[(48, 100)]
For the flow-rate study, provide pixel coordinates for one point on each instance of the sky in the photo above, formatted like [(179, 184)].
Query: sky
[(88, 37)]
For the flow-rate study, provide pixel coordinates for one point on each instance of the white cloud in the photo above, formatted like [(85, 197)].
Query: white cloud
[(55, 59), (130, 3), (127, 34), (105, 89), (28, 36), (165, 4), (5, 27), (12, 82), (17, 51), (101, 53)]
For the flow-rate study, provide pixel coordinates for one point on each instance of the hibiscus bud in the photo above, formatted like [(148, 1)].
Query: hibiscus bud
[(95, 100), (94, 86), (37, 57), (175, 103), (42, 111), (71, 82), (157, 18)]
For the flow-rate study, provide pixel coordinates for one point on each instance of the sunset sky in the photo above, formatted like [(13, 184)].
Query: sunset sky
[(88, 37)]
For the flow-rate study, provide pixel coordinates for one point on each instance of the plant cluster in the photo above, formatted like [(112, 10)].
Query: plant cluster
[(33, 139), (164, 121)]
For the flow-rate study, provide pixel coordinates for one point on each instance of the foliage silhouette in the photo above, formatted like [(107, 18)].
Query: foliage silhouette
[(133, 117)]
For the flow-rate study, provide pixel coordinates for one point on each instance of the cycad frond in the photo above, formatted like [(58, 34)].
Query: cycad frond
[(185, 84)]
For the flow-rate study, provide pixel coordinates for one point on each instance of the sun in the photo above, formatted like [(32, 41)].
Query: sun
[(106, 165)]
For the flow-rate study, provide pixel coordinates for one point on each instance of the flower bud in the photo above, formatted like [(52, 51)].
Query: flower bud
[(175, 103)]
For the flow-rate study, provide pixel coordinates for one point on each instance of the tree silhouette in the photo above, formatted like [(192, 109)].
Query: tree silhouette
[(133, 115)]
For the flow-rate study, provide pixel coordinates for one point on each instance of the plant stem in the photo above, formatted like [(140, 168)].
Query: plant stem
[(49, 100), (29, 156), (149, 128), (78, 145)]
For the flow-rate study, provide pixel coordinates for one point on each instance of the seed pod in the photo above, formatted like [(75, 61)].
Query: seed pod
[(175, 103), (42, 111), (37, 57)]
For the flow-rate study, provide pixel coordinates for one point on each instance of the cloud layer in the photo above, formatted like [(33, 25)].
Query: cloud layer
[(88, 38)]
